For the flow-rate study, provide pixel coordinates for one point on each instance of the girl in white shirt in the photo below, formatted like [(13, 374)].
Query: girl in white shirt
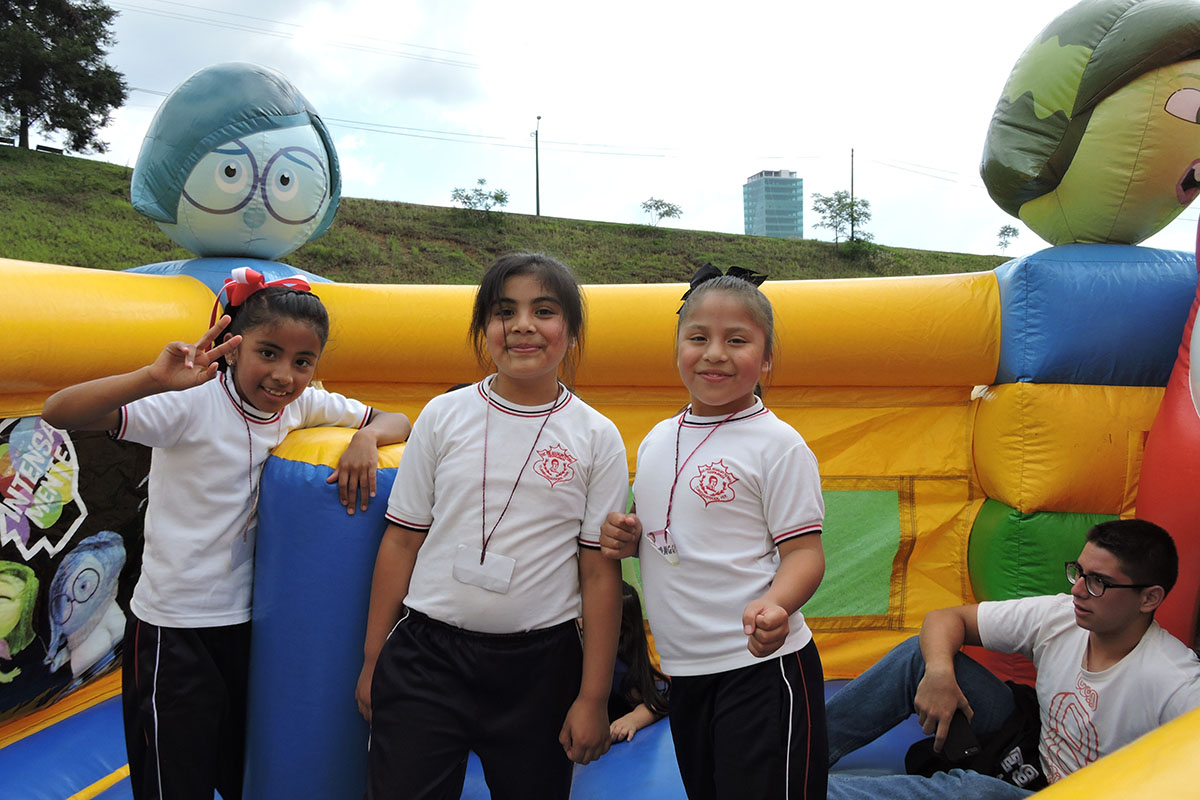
[(492, 554), (212, 415), (728, 524)]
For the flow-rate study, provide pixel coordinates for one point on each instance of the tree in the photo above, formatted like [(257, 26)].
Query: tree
[(1007, 234), (841, 215), (479, 198), (53, 73), (661, 209)]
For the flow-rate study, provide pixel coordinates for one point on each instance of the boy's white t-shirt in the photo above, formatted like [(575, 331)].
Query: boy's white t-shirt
[(748, 487), (1085, 714), (575, 475), (201, 517)]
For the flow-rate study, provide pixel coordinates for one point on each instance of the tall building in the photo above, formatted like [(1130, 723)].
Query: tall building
[(773, 203)]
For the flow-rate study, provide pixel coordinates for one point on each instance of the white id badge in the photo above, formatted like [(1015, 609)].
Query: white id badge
[(664, 544), (493, 574)]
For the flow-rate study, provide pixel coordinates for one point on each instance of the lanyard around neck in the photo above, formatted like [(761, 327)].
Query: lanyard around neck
[(484, 534), (680, 467)]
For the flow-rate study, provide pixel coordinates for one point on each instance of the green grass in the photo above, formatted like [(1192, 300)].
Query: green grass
[(66, 210)]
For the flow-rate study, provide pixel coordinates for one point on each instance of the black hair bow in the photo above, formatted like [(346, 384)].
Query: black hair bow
[(708, 272)]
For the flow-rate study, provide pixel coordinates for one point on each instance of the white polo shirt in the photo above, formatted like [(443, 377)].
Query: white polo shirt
[(575, 475), (201, 519), (751, 484)]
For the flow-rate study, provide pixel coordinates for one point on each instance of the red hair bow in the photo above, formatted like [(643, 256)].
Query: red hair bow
[(245, 282)]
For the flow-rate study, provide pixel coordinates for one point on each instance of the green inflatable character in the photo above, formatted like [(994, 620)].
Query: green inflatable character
[(1096, 137), (18, 594)]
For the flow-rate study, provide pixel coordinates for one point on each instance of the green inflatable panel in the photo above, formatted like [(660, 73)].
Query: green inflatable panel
[(1012, 554)]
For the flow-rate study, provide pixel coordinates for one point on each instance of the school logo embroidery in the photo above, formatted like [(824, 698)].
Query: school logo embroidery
[(714, 483), (555, 464)]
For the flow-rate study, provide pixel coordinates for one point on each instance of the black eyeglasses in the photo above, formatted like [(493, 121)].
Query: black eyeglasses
[(1096, 584)]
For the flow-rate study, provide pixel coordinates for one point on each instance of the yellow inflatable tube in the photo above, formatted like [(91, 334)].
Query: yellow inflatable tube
[(832, 333), (64, 325), (1034, 441), (1154, 766)]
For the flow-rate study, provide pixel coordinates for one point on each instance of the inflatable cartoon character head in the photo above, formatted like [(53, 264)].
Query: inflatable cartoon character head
[(1096, 137), (83, 603), (237, 163)]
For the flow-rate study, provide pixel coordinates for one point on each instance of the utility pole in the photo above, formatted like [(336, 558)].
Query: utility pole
[(852, 214), (537, 178)]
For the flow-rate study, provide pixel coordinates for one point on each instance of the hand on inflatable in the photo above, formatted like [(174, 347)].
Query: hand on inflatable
[(766, 625), (619, 535), (938, 697), (355, 473), (182, 366), (362, 692), (585, 733), (623, 728)]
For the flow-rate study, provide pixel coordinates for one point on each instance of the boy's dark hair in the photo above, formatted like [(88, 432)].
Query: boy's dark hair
[(274, 304), (1146, 551), (555, 277), (643, 682)]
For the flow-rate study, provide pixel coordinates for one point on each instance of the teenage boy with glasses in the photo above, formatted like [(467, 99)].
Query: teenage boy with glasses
[(1106, 674)]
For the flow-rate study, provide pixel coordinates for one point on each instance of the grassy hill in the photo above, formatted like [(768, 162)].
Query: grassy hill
[(66, 210)]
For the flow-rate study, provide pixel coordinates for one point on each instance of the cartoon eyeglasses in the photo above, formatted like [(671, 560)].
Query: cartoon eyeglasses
[(82, 589)]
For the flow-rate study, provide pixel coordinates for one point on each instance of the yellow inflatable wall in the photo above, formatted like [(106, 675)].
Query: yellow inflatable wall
[(876, 374)]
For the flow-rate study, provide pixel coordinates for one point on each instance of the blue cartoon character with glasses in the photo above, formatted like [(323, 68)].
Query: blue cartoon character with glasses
[(86, 623), (236, 165)]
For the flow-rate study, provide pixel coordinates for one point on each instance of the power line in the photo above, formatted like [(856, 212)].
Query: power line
[(395, 130), (384, 128), (238, 26), (918, 169), (298, 25), (455, 136)]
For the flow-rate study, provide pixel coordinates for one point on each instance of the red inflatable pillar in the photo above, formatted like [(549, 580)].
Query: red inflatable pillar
[(1169, 486)]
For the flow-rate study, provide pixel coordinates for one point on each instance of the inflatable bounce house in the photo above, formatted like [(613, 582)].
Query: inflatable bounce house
[(970, 428)]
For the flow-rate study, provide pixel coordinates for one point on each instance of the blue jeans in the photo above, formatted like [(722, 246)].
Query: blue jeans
[(882, 697)]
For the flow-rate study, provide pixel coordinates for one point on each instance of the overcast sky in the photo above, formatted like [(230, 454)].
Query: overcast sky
[(681, 101)]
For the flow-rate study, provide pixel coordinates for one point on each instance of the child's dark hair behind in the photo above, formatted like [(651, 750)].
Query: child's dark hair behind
[(643, 683), (274, 304), (555, 276)]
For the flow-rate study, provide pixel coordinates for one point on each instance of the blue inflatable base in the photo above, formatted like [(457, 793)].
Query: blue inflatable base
[(83, 749)]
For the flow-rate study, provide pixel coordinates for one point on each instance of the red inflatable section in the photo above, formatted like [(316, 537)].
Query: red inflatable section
[(1169, 487)]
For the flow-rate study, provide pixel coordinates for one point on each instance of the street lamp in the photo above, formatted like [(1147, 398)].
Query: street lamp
[(537, 181)]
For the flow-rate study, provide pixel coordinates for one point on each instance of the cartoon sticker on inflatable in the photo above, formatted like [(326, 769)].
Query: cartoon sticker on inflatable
[(18, 596), (86, 622), (38, 487), (70, 518)]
